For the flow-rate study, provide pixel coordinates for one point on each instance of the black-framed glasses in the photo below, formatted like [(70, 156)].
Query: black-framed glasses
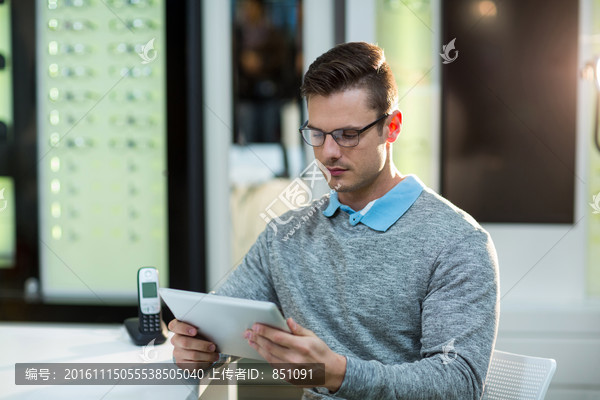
[(343, 137)]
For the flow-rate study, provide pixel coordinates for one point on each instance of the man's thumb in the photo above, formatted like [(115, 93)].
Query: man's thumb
[(294, 327)]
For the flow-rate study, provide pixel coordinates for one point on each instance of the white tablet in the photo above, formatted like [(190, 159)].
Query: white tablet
[(223, 320)]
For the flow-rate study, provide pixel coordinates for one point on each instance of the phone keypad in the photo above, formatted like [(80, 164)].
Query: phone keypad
[(150, 323)]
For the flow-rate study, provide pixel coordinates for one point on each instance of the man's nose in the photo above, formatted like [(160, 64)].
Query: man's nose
[(330, 149)]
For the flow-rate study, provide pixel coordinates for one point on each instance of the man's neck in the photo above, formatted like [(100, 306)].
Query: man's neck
[(358, 199)]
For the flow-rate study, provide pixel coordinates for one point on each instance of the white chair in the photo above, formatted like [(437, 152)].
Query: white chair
[(518, 377)]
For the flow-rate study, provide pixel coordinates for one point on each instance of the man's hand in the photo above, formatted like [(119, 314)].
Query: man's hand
[(190, 350), (301, 346)]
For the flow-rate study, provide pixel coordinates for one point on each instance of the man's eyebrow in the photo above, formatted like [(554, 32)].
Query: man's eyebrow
[(355, 128)]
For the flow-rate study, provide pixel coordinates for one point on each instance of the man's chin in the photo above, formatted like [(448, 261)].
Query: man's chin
[(338, 186)]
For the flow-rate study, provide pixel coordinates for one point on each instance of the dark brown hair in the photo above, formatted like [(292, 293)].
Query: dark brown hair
[(349, 66)]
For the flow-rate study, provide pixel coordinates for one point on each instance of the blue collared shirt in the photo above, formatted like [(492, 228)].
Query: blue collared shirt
[(383, 212)]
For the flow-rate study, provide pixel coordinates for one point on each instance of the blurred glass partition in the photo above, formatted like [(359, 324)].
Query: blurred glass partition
[(7, 223), (267, 66), (101, 146), (7, 198), (509, 104), (408, 32), (591, 51), (5, 75), (267, 73)]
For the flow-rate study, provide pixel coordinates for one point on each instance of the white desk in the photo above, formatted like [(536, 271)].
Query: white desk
[(83, 343)]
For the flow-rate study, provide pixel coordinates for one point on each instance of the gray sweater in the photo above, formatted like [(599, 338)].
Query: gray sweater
[(413, 309)]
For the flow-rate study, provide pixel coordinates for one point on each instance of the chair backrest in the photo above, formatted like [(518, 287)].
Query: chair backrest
[(518, 377)]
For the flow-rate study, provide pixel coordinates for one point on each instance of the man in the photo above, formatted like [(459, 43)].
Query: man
[(389, 285)]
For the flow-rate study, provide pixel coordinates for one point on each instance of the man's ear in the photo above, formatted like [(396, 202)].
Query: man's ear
[(395, 126)]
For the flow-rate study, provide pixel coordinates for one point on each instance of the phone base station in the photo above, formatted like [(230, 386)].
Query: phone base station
[(142, 339)]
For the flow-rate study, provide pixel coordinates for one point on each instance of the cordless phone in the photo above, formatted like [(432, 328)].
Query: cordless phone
[(149, 313), (148, 326)]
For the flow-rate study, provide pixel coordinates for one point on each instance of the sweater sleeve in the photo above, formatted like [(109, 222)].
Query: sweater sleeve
[(252, 279), (459, 317)]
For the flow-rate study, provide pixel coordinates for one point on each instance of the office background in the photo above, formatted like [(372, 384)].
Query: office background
[(151, 133)]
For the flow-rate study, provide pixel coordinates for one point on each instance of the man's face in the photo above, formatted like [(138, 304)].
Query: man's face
[(352, 168)]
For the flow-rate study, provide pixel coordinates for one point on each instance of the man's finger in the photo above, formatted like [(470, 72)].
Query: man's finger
[(182, 328), (191, 343), (275, 335), (272, 352), (275, 348), (297, 329)]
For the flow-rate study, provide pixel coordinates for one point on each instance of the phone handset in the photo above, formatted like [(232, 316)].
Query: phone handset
[(149, 313), (148, 326)]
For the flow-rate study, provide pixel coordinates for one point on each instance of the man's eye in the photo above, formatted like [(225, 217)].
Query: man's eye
[(349, 135), (316, 134)]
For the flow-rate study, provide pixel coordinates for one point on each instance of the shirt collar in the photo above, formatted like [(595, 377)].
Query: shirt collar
[(383, 212)]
